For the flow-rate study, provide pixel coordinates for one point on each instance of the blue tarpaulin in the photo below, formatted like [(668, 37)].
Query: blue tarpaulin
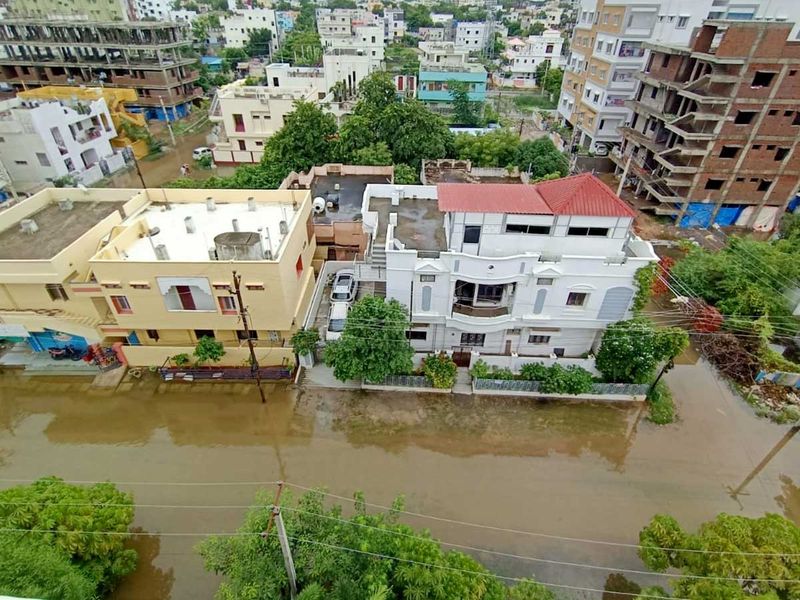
[(699, 214)]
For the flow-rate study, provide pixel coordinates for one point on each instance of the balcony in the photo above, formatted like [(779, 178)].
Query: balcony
[(628, 50), (480, 311), (675, 162)]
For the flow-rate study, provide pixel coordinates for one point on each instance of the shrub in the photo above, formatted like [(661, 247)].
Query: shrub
[(504, 373), (209, 349), (180, 360), (440, 370), (481, 370), (533, 371), (662, 408), (304, 341), (571, 380)]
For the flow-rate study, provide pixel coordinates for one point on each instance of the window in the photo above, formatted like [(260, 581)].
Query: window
[(796, 119), (781, 153), (201, 333), (473, 339), (729, 151), (238, 122), (427, 278), (714, 184), (654, 92), (241, 335), (153, 334), (490, 293), (56, 291), (756, 146), (762, 79), (740, 180), (744, 117), (417, 335), (20, 162), (588, 231), (298, 266), (682, 22), (227, 305), (770, 146), (242, 145), (787, 113), (665, 61), (530, 229), (472, 234), (538, 339), (43, 160), (577, 299), (544, 281), (773, 112), (763, 185), (254, 287), (121, 305)]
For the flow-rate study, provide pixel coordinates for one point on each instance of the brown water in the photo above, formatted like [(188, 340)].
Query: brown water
[(583, 471)]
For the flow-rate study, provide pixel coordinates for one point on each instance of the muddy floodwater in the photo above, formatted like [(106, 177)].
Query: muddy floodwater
[(588, 472)]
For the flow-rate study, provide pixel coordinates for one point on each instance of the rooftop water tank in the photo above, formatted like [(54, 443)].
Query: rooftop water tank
[(239, 245)]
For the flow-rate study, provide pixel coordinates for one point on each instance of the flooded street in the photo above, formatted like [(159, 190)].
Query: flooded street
[(588, 472)]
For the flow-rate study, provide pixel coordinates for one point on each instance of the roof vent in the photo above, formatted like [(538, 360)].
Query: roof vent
[(212, 254), (211, 206), (28, 226), (65, 204), (284, 227), (251, 204), (189, 223), (235, 224), (161, 252)]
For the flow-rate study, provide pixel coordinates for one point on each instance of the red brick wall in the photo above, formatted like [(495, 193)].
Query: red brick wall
[(671, 71)]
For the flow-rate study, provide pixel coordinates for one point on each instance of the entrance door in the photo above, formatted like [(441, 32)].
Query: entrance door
[(508, 348), (462, 357), (185, 296)]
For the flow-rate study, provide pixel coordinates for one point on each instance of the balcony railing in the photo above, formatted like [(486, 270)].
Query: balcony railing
[(480, 311)]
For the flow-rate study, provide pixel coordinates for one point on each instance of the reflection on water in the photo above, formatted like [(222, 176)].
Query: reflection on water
[(789, 500), (619, 587), (157, 582)]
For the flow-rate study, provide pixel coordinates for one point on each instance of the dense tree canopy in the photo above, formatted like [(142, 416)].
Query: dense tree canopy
[(416, 15), (64, 558), (465, 111), (377, 154), (300, 48), (373, 344), (258, 42), (631, 350), (497, 148), (744, 554), (541, 158), (361, 557), (414, 133), (305, 139)]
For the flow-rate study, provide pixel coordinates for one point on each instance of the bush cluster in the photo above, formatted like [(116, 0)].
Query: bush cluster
[(552, 380), (440, 370)]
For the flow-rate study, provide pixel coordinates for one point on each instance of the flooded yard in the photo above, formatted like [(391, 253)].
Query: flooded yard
[(548, 471)]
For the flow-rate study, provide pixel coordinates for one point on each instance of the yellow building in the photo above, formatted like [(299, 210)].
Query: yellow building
[(153, 270)]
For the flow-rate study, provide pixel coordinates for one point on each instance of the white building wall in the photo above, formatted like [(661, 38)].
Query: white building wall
[(239, 25), (183, 15), (153, 9), (472, 36), (537, 49)]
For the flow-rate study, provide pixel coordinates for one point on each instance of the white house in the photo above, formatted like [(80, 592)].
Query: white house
[(158, 10), (45, 140), (183, 15), (525, 55), (472, 36), (242, 23), (365, 39), (531, 270), (394, 24)]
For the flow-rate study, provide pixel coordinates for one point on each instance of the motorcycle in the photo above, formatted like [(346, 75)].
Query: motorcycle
[(65, 352)]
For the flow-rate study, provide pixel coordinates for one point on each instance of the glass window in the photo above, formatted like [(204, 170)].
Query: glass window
[(538, 339), (427, 278), (201, 333), (544, 281), (227, 304), (153, 334), (417, 335), (473, 339), (472, 234), (426, 297), (121, 305), (56, 291), (577, 299)]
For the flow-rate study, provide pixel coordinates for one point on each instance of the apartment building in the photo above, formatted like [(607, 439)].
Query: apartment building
[(443, 62), (394, 24), (110, 10), (531, 270), (343, 21), (715, 131), (525, 55), (472, 36), (239, 25), (145, 56), (43, 139), (364, 39), (607, 51), (152, 270), (158, 10)]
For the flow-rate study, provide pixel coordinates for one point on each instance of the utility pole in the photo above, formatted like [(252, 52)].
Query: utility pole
[(254, 368), (735, 492), (624, 174), (276, 517), (138, 170), (669, 364), (166, 118)]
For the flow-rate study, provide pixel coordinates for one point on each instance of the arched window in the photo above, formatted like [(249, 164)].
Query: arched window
[(426, 298), (538, 305)]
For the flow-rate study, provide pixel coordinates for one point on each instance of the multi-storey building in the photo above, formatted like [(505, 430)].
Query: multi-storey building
[(152, 270), (111, 10), (158, 10), (442, 62), (242, 23), (343, 21), (44, 139), (364, 39), (394, 24), (145, 56), (607, 51), (472, 36), (715, 131), (525, 55), (536, 270)]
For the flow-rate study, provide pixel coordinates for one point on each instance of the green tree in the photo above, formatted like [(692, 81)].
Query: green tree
[(497, 148), (258, 42), (541, 158), (376, 93), (65, 518), (304, 341), (355, 133), (631, 350), (405, 175), (416, 16), (367, 556), (304, 140), (374, 154), (414, 133), (373, 344), (341, 4), (756, 551), (551, 81), (514, 28), (465, 111), (232, 56), (300, 48), (536, 28), (209, 349)]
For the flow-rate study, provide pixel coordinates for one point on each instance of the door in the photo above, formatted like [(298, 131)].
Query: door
[(508, 348), (462, 356), (185, 296)]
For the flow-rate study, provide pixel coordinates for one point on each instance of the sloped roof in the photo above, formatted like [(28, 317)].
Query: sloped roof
[(583, 195), (491, 198), (579, 195)]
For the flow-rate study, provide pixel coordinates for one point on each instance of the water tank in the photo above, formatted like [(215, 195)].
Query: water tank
[(65, 204), (28, 226), (239, 245), (319, 205)]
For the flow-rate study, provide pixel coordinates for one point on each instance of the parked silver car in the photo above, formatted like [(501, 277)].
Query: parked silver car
[(337, 317), (345, 286)]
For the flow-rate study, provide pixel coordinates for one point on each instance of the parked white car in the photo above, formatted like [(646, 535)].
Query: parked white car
[(337, 316), (200, 152), (345, 286)]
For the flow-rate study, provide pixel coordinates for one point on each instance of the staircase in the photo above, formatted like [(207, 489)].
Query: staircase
[(378, 256)]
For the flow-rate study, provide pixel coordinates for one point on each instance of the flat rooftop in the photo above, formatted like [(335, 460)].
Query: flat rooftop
[(182, 245), (420, 224), (350, 193), (57, 230)]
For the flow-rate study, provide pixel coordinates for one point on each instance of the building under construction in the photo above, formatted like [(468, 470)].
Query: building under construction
[(145, 56)]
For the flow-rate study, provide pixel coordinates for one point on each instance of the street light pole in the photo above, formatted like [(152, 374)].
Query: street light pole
[(255, 370)]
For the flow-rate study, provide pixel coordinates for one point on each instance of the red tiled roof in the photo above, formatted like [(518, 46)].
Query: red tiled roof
[(583, 195), (491, 198), (580, 195)]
